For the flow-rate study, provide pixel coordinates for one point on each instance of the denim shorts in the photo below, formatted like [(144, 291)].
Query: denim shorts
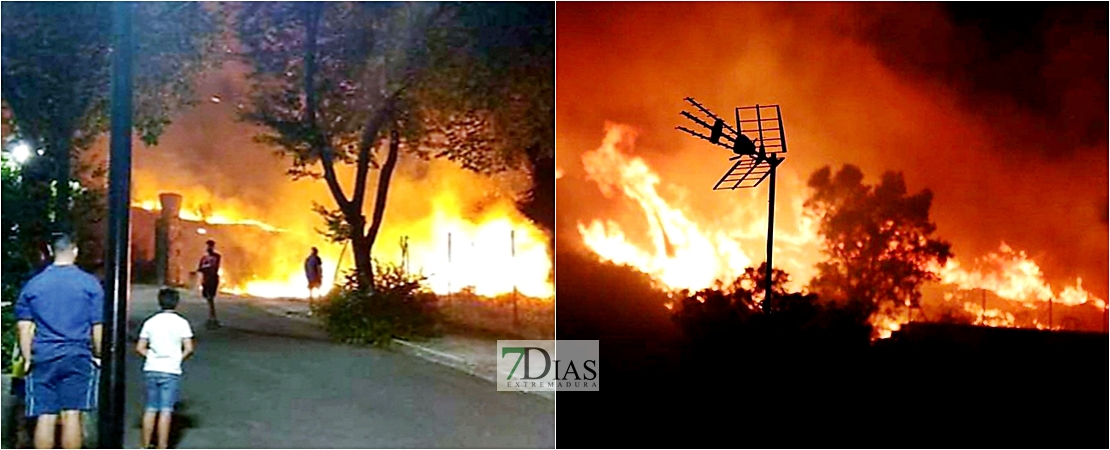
[(161, 390), (66, 383)]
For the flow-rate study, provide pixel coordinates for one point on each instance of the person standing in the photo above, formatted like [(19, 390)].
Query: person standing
[(165, 340), (60, 317), (314, 271), (209, 269)]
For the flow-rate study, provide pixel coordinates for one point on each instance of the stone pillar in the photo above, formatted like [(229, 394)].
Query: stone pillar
[(167, 255)]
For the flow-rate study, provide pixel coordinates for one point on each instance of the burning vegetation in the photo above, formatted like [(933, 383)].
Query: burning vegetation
[(459, 239), (1001, 226), (433, 174), (876, 240)]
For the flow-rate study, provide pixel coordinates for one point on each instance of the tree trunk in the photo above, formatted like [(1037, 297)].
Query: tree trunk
[(383, 186), (364, 266)]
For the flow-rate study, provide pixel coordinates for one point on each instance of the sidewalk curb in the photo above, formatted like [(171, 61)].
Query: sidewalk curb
[(438, 357), (428, 354), (457, 363)]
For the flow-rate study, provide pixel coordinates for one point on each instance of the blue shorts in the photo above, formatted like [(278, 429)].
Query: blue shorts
[(66, 383), (161, 390)]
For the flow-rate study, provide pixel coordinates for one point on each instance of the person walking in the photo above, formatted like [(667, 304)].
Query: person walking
[(209, 269), (165, 341), (60, 317), (314, 271)]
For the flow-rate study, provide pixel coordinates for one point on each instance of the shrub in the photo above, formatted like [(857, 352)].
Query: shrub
[(791, 327), (400, 307)]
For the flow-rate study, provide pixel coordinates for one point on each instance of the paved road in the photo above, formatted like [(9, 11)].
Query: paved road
[(250, 385)]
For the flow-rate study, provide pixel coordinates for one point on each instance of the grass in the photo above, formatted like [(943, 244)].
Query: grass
[(494, 316)]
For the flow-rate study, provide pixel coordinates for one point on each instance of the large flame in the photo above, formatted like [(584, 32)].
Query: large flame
[(679, 251), (491, 252), (1012, 275), (682, 255), (684, 251)]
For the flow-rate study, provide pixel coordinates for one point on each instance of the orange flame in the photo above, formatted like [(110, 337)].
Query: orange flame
[(683, 252), (1012, 275), (492, 252)]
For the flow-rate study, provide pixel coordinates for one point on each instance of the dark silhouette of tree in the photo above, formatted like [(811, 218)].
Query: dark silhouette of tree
[(722, 318), (56, 79), (878, 239), (357, 83)]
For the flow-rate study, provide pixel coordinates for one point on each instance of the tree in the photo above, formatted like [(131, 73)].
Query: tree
[(355, 83), (57, 73), (524, 34), (878, 240)]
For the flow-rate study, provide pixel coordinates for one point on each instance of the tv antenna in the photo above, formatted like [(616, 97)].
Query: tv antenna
[(753, 160)]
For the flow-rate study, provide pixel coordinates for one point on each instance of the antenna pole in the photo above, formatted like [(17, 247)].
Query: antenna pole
[(747, 171), (770, 232)]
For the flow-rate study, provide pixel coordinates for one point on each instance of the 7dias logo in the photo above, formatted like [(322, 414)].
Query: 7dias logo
[(534, 366)]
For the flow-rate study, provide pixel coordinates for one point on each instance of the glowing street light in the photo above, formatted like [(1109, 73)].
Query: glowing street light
[(21, 152)]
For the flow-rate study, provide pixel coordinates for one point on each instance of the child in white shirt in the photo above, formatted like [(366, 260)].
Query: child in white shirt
[(165, 340)]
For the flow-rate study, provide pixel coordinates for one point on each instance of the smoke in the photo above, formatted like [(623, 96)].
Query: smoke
[(905, 87), (213, 161)]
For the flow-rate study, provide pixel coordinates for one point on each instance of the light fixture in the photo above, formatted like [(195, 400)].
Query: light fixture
[(21, 152)]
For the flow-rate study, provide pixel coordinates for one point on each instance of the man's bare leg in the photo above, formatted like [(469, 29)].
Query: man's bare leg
[(164, 419), (45, 429), (148, 427), (72, 433)]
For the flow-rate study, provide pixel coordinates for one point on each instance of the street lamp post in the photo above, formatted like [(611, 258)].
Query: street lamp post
[(118, 258)]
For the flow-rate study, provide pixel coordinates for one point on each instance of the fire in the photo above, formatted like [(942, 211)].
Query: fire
[(682, 254), (685, 252), (1012, 275), (457, 242), (494, 253), (197, 214)]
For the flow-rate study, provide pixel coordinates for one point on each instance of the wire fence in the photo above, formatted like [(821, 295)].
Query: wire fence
[(510, 314)]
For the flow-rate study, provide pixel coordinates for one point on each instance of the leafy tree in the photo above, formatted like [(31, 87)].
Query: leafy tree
[(523, 33), (357, 83), (57, 74), (878, 239), (514, 45)]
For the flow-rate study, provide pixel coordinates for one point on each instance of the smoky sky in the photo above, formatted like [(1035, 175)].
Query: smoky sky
[(1045, 57), (999, 109)]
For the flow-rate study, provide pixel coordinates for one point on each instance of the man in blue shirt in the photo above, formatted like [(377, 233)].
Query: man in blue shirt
[(60, 314)]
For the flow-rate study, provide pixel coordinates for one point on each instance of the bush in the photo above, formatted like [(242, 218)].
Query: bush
[(792, 327), (401, 307)]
